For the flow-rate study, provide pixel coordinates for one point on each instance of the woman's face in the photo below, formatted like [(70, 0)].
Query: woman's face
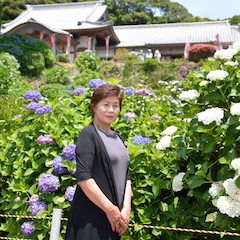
[(106, 111)]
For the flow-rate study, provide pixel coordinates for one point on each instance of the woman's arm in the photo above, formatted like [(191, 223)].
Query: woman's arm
[(126, 207), (95, 194)]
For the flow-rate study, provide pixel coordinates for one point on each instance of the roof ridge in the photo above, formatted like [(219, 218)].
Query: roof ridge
[(60, 5), (171, 24)]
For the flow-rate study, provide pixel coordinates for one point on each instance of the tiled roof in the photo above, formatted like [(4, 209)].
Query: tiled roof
[(236, 33), (64, 16), (173, 33)]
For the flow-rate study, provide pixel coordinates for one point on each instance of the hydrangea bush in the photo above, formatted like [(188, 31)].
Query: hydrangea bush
[(184, 148)]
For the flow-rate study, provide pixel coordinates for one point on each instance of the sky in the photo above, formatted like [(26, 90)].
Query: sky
[(213, 9)]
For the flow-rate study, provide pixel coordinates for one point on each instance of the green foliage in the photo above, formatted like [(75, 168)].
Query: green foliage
[(32, 54), (9, 72), (57, 74), (121, 54), (150, 65), (235, 20), (63, 57), (110, 70), (52, 91), (88, 60), (85, 76), (202, 151), (201, 51), (49, 58)]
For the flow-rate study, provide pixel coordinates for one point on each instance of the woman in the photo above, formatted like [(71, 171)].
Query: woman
[(102, 201)]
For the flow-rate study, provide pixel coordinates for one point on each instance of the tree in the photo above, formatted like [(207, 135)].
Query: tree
[(235, 20)]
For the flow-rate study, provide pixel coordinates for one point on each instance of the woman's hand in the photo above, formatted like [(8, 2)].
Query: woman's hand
[(116, 219)]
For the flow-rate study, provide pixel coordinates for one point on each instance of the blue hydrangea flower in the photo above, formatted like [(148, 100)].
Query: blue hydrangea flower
[(138, 139), (58, 168), (33, 95), (37, 206), (129, 115), (70, 193), (45, 139), (27, 228), (48, 183), (96, 82), (79, 90), (69, 152), (33, 106)]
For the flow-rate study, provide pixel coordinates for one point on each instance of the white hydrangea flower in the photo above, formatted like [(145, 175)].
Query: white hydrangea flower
[(235, 109), (225, 53), (177, 183), (217, 75), (204, 83), (236, 164), (210, 115), (231, 189), (169, 131), (231, 63), (211, 217), (215, 189), (229, 206), (164, 143), (189, 95), (236, 46)]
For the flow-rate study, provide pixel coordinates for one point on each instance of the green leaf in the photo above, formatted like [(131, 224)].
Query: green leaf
[(197, 181), (237, 182), (28, 172)]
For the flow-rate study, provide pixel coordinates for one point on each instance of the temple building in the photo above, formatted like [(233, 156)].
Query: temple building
[(75, 27)]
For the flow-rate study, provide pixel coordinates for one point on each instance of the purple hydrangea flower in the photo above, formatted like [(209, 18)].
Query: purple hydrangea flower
[(138, 139), (33, 95), (143, 91), (33, 106), (70, 193), (129, 92), (79, 90), (58, 168), (27, 228), (37, 206), (69, 152), (96, 82), (156, 117), (17, 116), (44, 109), (45, 139), (48, 183), (47, 109), (33, 199), (129, 115)]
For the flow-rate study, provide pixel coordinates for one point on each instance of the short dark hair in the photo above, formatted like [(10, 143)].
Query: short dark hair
[(104, 91)]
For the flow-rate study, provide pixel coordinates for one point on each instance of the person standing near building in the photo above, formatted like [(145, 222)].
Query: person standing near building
[(141, 55), (149, 54), (102, 202), (157, 55)]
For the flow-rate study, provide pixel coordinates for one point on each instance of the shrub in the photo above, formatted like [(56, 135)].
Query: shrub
[(150, 65), (110, 69), (9, 72), (57, 75), (53, 91), (85, 76), (49, 58), (63, 57), (37, 64), (88, 60), (201, 51), (24, 47), (121, 54)]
